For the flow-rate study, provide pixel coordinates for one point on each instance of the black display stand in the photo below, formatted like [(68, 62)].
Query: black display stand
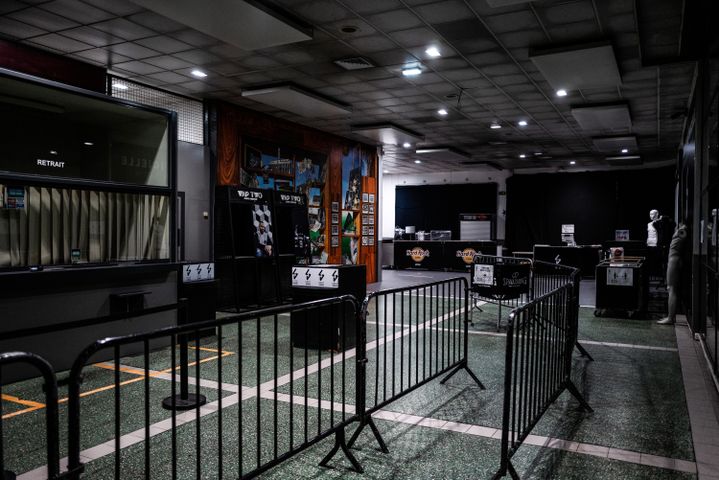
[(245, 279), (323, 328), (292, 232), (455, 255), (622, 286)]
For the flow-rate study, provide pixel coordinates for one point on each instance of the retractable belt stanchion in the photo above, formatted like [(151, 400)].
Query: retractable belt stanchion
[(184, 400)]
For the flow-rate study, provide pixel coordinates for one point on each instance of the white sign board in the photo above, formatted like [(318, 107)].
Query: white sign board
[(620, 276), (567, 228), (198, 272), (315, 277), (483, 275)]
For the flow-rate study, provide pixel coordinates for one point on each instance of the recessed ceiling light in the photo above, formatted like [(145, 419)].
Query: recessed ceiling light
[(573, 162), (411, 72), (406, 144), (119, 86), (521, 155), (89, 144), (625, 150), (53, 152), (442, 111), (495, 126), (385, 171), (522, 123), (418, 161), (537, 153), (433, 52), (199, 73), (561, 92)]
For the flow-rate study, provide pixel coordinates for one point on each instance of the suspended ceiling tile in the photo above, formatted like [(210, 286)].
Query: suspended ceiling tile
[(613, 118), (297, 100), (387, 133), (615, 144), (261, 26), (580, 66), (504, 3)]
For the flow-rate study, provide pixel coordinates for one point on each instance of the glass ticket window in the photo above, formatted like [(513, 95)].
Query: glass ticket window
[(83, 178)]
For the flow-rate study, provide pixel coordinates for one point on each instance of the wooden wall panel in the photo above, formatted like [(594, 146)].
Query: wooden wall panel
[(228, 146)]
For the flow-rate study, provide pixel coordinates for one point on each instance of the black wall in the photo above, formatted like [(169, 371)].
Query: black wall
[(597, 203), (437, 207)]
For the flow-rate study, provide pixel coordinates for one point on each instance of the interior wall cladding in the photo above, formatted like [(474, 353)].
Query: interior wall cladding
[(234, 124), (597, 203), (437, 207)]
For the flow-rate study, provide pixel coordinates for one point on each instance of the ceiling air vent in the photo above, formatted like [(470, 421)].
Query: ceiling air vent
[(354, 63)]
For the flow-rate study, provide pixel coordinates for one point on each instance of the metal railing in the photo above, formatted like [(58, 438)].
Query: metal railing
[(541, 337), (420, 333), (256, 441), (52, 437)]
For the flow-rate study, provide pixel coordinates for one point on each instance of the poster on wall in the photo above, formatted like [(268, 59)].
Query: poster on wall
[(621, 235), (350, 249), (335, 241), (349, 226), (262, 223)]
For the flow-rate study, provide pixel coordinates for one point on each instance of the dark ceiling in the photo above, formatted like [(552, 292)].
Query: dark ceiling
[(484, 75)]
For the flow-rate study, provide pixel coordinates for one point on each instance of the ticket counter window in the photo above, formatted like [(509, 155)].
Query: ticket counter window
[(59, 226)]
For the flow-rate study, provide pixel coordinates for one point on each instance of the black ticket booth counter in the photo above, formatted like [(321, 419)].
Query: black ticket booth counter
[(292, 233), (583, 257), (323, 328), (455, 255), (247, 275)]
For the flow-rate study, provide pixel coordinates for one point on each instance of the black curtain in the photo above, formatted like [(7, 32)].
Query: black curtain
[(437, 207), (597, 203)]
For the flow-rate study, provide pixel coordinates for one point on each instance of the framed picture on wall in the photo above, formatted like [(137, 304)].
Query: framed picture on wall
[(335, 241), (371, 198), (364, 219), (335, 229), (365, 230), (365, 198), (335, 218), (364, 241), (336, 206), (370, 231), (371, 209), (365, 207), (371, 219), (370, 240)]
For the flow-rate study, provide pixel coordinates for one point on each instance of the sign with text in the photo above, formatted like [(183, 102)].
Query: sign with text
[(620, 276), (198, 272), (248, 195), (501, 280), (315, 277)]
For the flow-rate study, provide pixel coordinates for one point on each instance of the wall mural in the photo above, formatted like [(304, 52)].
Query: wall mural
[(282, 168), (356, 164)]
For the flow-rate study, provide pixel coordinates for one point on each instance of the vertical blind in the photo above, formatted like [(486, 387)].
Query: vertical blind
[(103, 226)]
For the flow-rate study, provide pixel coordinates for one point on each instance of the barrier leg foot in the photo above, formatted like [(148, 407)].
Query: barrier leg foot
[(469, 371), (580, 398), (341, 444), (512, 472), (7, 475), (584, 352), (375, 432)]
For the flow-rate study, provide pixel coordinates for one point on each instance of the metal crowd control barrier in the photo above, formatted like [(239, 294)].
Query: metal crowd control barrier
[(51, 416), (299, 416), (420, 334), (541, 336)]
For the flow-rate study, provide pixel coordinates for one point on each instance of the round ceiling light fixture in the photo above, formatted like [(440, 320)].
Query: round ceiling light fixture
[(522, 123), (418, 161), (495, 126), (561, 92), (625, 150), (573, 162), (406, 145)]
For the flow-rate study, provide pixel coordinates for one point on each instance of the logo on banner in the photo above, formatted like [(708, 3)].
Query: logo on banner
[(308, 274), (335, 276), (418, 254), (467, 255), (515, 281)]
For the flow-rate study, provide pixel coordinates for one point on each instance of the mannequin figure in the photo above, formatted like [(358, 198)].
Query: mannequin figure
[(652, 236), (674, 267)]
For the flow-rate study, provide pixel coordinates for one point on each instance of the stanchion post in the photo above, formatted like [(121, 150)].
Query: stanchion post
[(184, 400)]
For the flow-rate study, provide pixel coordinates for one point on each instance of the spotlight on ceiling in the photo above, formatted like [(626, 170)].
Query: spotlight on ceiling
[(442, 111), (495, 126), (88, 144), (418, 161), (411, 72), (521, 155), (625, 150), (53, 152), (406, 145), (561, 92), (198, 73), (433, 52), (573, 162), (522, 123), (385, 171)]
